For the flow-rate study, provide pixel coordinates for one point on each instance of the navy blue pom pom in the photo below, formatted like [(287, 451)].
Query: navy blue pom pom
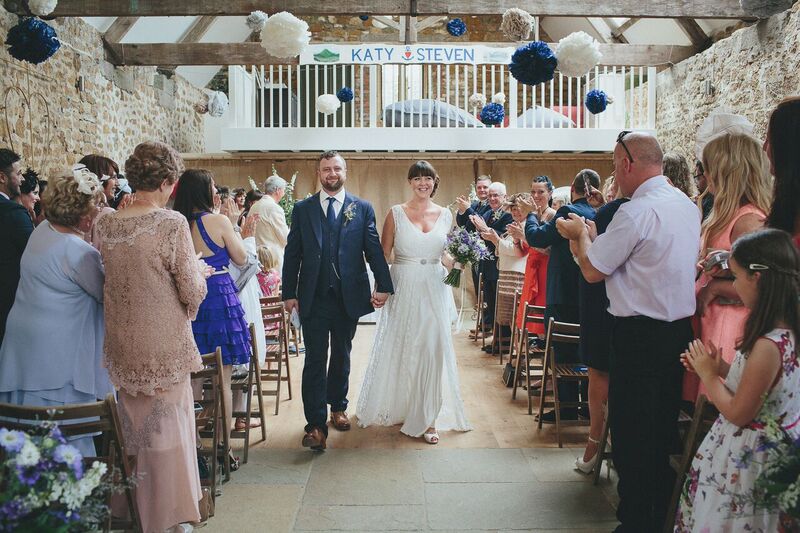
[(533, 63), (364, 17), (345, 94), (492, 114), (456, 27), (32, 40), (596, 101)]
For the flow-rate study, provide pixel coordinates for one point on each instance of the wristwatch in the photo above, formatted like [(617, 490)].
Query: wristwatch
[(237, 229)]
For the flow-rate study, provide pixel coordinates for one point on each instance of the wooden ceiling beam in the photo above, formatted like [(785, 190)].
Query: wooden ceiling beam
[(557, 8), (694, 32), (253, 54), (119, 29), (198, 29)]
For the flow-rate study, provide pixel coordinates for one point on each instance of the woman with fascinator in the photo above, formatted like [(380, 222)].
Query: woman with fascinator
[(61, 293)]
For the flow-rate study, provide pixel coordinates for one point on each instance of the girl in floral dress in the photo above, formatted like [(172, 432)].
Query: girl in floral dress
[(762, 383)]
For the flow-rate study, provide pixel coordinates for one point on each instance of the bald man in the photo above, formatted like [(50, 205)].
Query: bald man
[(647, 258)]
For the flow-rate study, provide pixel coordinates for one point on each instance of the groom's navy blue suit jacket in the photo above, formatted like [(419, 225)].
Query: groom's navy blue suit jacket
[(358, 239)]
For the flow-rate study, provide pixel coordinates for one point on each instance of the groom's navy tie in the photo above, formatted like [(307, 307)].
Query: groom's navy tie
[(331, 214)]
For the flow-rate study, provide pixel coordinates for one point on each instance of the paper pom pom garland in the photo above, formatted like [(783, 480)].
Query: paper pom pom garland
[(42, 8), (456, 27), (285, 35), (517, 24), (364, 17), (492, 114), (499, 98), (345, 94), (32, 40), (577, 53), (217, 104), (765, 8), (328, 104), (597, 101), (256, 20), (533, 63), (477, 100)]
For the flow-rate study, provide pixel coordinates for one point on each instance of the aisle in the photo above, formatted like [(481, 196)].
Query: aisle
[(504, 475)]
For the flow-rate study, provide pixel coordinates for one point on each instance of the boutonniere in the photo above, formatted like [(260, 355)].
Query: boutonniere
[(497, 215), (349, 213)]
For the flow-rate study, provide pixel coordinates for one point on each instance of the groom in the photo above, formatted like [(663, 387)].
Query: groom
[(325, 280)]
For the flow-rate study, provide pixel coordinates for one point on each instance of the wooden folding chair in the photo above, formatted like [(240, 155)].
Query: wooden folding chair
[(705, 414), (210, 427), (277, 352), (530, 360), (560, 333), (479, 332), (245, 386), (602, 449), (103, 418), (295, 334), (515, 331)]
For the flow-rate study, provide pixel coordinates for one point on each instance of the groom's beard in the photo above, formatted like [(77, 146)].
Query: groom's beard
[(335, 187)]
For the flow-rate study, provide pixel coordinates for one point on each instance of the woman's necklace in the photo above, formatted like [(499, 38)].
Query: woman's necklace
[(146, 202)]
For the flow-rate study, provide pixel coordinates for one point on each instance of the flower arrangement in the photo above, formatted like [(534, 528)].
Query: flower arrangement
[(44, 486), (533, 63), (466, 247), (778, 485), (349, 213), (456, 27), (288, 200)]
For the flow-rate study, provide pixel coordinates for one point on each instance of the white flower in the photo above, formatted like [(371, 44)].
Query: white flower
[(28, 454), (42, 8), (499, 98), (12, 440), (87, 181), (285, 35), (577, 53), (328, 104)]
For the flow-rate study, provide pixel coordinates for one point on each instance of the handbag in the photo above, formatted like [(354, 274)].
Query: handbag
[(247, 271), (508, 375)]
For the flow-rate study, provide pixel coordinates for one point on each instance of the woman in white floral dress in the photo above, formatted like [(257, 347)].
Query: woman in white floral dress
[(762, 384)]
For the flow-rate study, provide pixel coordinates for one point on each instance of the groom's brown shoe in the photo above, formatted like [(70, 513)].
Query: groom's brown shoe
[(340, 421), (314, 439)]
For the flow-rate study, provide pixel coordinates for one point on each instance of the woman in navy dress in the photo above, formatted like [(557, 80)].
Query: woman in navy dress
[(220, 320)]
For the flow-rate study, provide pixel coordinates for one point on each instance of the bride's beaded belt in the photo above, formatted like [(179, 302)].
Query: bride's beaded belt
[(417, 261)]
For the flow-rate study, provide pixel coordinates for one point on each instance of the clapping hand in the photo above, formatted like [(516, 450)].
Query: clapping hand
[(249, 226), (463, 204), (516, 230), (126, 201), (571, 228), (490, 235), (479, 223), (205, 269), (705, 362), (525, 206), (378, 299)]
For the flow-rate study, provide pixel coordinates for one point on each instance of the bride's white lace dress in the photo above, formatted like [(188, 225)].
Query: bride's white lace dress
[(412, 376)]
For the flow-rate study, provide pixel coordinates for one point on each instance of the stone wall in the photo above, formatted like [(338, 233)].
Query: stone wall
[(93, 107), (748, 72)]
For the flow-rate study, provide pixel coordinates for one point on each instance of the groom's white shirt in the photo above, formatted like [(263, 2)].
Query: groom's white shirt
[(337, 204)]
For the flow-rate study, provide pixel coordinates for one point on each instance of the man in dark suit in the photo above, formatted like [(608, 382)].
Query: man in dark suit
[(15, 229), (563, 274), (496, 219), (478, 207), (325, 280)]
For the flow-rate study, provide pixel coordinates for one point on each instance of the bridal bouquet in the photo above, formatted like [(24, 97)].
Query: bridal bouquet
[(465, 247), (778, 485), (43, 484)]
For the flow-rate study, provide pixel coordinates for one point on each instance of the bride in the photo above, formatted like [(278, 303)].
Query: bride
[(412, 377)]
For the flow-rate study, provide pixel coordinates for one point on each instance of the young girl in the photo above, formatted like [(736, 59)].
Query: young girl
[(762, 382), (269, 279)]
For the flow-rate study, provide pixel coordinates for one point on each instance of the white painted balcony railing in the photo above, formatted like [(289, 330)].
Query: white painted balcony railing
[(274, 108)]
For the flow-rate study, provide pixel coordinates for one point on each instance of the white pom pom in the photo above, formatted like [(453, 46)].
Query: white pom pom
[(217, 104), (285, 35), (609, 98), (328, 103), (577, 53), (499, 98), (256, 20), (42, 8), (477, 100), (517, 24)]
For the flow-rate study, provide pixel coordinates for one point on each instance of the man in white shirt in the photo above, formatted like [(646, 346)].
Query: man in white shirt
[(647, 258), (271, 228)]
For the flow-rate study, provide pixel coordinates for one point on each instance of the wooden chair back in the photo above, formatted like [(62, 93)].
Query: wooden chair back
[(210, 421), (529, 360), (245, 386), (275, 326), (103, 418)]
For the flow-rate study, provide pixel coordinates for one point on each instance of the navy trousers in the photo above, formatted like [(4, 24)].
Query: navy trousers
[(326, 383)]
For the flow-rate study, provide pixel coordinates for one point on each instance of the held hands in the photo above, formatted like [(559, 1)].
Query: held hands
[(571, 228), (379, 299), (249, 226), (290, 305), (463, 204), (705, 362)]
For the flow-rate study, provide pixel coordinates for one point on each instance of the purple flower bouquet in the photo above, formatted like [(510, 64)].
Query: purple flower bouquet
[(466, 247)]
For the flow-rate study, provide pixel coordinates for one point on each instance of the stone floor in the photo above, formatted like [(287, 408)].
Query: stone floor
[(505, 475)]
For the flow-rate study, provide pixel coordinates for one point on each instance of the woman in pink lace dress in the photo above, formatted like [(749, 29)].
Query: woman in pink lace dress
[(737, 175), (154, 286)]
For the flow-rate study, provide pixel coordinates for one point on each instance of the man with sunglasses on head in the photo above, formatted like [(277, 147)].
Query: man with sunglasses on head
[(647, 258)]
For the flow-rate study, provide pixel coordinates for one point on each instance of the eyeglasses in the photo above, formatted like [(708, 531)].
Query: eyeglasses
[(621, 136)]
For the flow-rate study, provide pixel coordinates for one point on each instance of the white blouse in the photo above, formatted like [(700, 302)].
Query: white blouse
[(510, 256)]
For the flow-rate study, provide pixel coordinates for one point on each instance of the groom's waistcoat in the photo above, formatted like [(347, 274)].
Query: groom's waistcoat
[(329, 271)]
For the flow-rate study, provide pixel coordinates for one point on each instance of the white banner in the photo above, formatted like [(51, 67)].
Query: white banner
[(412, 54)]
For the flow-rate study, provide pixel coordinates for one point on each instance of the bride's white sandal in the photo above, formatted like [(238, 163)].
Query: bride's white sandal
[(431, 437)]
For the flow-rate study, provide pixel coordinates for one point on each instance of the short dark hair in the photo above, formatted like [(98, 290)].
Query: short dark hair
[(483, 177), (99, 165), (7, 158), (238, 191), (544, 179), (587, 174), (194, 193), (423, 168), (30, 180), (328, 154)]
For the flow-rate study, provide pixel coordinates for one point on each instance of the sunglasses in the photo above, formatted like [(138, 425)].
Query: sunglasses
[(621, 136)]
